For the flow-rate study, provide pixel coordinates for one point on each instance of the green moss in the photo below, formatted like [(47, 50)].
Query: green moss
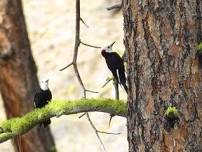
[(199, 48), (20, 125), (53, 149), (115, 105), (172, 112)]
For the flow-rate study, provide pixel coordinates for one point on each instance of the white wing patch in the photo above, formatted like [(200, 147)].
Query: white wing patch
[(117, 72)]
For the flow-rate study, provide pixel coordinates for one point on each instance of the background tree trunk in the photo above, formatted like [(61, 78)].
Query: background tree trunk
[(18, 80), (160, 39)]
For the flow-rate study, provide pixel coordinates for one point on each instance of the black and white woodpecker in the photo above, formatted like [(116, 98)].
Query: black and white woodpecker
[(42, 98), (115, 65)]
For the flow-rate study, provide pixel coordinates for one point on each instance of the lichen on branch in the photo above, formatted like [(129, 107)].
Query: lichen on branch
[(199, 48), (20, 125)]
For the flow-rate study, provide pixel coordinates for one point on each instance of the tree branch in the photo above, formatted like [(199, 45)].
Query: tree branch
[(76, 49), (77, 43), (89, 45), (66, 66), (115, 6), (96, 132), (107, 81), (84, 22), (20, 125)]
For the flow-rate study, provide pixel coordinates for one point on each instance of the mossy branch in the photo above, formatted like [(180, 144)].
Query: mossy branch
[(20, 125)]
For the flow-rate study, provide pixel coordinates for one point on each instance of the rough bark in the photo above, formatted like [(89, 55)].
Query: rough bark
[(18, 80), (163, 70)]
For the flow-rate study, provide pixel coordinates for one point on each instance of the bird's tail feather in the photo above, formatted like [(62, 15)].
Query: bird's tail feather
[(125, 87)]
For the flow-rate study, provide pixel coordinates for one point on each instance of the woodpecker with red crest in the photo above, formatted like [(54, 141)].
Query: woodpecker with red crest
[(42, 98), (115, 65)]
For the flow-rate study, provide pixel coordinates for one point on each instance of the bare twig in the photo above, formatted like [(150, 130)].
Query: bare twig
[(84, 22), (74, 63), (116, 87), (76, 48), (82, 115), (96, 132), (89, 45), (115, 6), (109, 133), (91, 91), (66, 66), (106, 83)]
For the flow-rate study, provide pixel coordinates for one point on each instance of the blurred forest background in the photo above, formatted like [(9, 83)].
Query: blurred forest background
[(51, 28)]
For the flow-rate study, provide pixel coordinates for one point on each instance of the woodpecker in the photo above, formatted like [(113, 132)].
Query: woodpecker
[(42, 98), (115, 65)]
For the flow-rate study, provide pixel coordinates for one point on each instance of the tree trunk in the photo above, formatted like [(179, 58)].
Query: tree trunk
[(18, 80), (163, 70)]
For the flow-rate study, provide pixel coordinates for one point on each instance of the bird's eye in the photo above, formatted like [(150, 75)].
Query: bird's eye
[(108, 47)]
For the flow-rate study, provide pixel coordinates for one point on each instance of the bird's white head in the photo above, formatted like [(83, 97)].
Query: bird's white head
[(108, 48), (44, 84)]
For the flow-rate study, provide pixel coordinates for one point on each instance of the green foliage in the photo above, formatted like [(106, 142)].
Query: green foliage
[(172, 112), (199, 48), (52, 149), (20, 125)]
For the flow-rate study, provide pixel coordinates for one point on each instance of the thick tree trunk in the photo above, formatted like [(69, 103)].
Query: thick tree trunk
[(163, 70), (18, 80)]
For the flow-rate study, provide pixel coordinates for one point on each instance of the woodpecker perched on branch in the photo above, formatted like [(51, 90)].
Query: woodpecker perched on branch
[(42, 98), (115, 65)]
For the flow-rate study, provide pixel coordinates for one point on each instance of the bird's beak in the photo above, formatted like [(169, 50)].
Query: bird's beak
[(47, 80), (112, 43)]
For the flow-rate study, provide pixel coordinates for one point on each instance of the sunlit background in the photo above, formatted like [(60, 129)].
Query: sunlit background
[(51, 28)]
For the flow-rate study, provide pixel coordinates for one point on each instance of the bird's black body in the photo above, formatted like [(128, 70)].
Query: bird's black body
[(42, 98), (116, 66)]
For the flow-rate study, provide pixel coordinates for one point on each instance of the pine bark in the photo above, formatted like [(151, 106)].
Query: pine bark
[(18, 79), (160, 37)]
